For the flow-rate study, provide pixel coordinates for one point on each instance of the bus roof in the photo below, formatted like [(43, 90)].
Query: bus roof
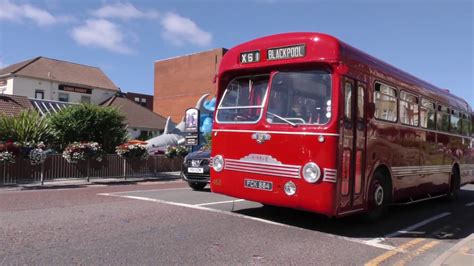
[(325, 48)]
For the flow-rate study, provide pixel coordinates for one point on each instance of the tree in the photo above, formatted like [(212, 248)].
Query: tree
[(86, 122), (28, 126)]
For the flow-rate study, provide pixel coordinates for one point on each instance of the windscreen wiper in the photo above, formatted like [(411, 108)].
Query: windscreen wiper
[(283, 119)]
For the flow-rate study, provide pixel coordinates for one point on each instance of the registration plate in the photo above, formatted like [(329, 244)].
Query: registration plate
[(196, 170), (258, 184)]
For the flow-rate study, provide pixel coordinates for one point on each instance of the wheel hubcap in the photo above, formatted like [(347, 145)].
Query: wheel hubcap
[(379, 195)]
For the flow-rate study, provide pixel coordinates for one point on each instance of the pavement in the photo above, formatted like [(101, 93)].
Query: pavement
[(162, 176), (461, 254), (165, 222)]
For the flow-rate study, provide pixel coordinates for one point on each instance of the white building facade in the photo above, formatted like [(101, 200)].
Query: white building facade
[(50, 79)]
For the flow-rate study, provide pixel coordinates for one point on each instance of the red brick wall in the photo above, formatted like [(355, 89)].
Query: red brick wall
[(181, 81), (149, 99)]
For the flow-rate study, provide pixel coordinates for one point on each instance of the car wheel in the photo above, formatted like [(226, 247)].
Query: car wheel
[(197, 186)]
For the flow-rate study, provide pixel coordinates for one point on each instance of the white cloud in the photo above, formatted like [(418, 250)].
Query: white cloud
[(101, 33), (123, 11), (180, 30), (19, 13)]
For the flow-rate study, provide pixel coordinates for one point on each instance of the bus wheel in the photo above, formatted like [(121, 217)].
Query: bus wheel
[(379, 196), (454, 185), (197, 186)]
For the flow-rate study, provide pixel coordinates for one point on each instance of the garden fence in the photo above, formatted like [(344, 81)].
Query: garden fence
[(56, 168)]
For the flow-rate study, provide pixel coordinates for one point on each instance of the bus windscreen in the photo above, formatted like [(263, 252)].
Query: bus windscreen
[(300, 97)]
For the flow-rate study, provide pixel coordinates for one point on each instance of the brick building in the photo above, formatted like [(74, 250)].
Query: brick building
[(181, 81), (144, 100)]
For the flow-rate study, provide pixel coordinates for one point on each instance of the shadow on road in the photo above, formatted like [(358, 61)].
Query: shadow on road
[(458, 224)]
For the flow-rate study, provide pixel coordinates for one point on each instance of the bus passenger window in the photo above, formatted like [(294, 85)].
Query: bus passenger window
[(348, 101), (465, 125), (360, 102), (427, 114), (455, 122), (442, 118), (472, 125), (408, 109), (385, 102)]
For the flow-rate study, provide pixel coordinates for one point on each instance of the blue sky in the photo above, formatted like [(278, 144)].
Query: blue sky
[(431, 39)]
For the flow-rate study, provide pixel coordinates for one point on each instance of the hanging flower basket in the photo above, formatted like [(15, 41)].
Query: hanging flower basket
[(37, 156), (129, 150), (7, 157), (176, 151), (76, 152), (8, 151)]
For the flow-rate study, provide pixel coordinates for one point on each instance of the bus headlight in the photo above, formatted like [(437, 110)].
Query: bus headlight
[(290, 188), (218, 163), (311, 172)]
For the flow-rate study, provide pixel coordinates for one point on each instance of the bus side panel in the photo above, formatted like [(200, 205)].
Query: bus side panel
[(382, 147), (406, 179), (467, 162)]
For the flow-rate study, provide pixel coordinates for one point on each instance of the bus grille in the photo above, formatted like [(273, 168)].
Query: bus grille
[(284, 170), (330, 175)]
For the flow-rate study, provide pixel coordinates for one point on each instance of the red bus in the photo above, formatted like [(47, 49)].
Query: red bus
[(306, 121)]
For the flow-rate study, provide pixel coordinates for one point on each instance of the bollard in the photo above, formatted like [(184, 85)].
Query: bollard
[(124, 168), (88, 169), (42, 174)]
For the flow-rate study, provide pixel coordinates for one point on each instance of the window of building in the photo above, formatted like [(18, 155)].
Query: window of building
[(143, 100), (136, 99), (427, 114), (442, 118), (85, 99), (39, 94), (408, 109), (385, 102), (63, 97)]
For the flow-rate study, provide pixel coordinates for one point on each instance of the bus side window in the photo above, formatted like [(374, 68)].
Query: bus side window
[(472, 125), (465, 125), (427, 114), (455, 122), (408, 109), (385, 102), (442, 118), (348, 101)]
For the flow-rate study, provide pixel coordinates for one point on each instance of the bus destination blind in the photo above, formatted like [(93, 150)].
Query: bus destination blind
[(287, 52)]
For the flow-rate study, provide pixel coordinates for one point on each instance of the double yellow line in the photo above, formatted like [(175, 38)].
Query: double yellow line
[(403, 249)]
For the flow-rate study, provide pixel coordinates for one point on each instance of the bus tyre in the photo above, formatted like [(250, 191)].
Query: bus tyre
[(454, 185), (379, 197), (197, 186)]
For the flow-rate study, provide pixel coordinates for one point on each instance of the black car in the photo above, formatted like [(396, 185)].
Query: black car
[(195, 169)]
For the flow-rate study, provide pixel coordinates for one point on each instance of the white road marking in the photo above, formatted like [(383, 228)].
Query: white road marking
[(219, 202), (197, 207), (470, 204), (147, 190), (408, 229)]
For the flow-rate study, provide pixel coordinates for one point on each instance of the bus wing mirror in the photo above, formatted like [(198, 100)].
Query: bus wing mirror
[(370, 110)]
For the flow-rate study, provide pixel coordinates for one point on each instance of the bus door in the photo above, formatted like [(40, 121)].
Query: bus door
[(353, 135)]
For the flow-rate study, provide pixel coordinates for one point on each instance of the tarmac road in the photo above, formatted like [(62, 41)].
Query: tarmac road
[(168, 223)]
